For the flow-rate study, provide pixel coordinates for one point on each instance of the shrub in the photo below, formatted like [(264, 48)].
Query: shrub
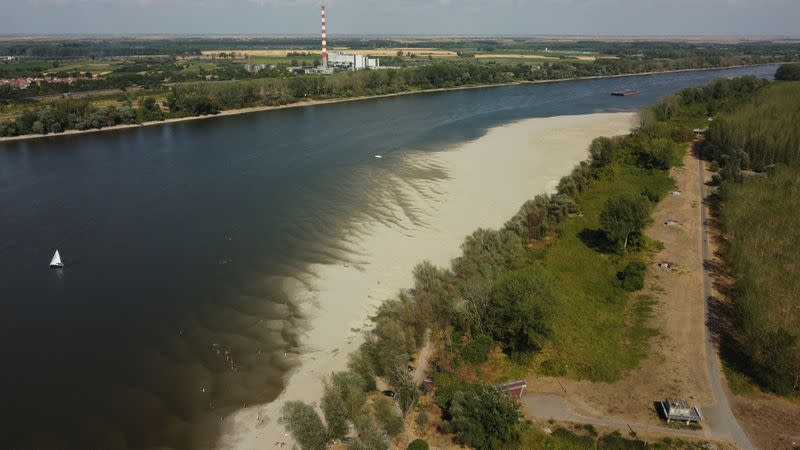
[(304, 424), (485, 417), (632, 277), (390, 421), (417, 444), (335, 411), (477, 350)]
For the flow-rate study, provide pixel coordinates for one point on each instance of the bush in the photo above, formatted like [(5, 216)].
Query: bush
[(603, 150), (390, 421), (658, 153), (477, 350), (632, 277), (335, 411), (788, 72), (304, 424), (417, 444), (485, 417)]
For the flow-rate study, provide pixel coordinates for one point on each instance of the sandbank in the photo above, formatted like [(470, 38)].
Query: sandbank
[(486, 182)]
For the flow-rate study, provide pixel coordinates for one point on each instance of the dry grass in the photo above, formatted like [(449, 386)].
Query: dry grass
[(392, 51)]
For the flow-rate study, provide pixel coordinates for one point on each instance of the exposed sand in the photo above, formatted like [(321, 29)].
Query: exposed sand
[(486, 182)]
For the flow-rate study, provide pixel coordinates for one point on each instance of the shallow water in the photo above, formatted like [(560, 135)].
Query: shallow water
[(170, 313)]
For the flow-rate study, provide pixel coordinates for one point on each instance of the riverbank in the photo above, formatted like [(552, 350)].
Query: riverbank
[(483, 183), (233, 112)]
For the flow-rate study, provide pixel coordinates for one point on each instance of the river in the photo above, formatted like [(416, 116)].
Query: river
[(169, 313)]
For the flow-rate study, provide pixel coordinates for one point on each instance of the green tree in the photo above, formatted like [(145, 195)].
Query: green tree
[(623, 215), (519, 309), (602, 151), (485, 417), (788, 72), (351, 388), (407, 392), (303, 422), (335, 411)]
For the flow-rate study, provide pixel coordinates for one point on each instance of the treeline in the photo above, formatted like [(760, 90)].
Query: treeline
[(758, 214), (500, 297), (193, 46), (82, 114), (760, 217), (760, 133)]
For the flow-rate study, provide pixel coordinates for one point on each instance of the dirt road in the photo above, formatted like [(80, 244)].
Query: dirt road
[(719, 416), (685, 362)]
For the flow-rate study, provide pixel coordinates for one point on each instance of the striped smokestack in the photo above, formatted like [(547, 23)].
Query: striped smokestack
[(324, 39)]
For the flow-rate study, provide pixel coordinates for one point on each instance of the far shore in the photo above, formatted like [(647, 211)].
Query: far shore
[(300, 104)]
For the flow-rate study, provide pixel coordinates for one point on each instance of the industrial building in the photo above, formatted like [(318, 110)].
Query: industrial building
[(348, 61), (339, 60)]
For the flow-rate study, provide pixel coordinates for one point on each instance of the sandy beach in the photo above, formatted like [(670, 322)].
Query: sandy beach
[(485, 183)]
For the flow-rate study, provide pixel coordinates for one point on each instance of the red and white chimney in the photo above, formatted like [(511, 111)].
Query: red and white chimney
[(324, 40)]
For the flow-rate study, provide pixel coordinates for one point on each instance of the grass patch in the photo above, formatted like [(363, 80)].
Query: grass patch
[(598, 333)]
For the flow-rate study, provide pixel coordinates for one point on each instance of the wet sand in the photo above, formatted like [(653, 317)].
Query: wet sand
[(484, 183)]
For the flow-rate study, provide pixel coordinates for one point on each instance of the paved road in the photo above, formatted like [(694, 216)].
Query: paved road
[(720, 422)]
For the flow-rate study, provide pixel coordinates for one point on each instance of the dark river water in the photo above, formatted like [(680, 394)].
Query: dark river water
[(169, 313)]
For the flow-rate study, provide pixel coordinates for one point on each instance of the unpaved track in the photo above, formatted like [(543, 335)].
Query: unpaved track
[(720, 424), (719, 417)]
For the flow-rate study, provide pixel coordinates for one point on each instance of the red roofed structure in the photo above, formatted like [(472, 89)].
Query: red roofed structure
[(515, 388)]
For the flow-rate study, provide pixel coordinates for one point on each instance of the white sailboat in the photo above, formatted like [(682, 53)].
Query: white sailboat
[(56, 261)]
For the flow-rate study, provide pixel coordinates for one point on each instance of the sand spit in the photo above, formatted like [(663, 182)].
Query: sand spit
[(486, 182)]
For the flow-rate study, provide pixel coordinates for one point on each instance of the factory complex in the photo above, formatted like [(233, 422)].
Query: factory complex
[(339, 60)]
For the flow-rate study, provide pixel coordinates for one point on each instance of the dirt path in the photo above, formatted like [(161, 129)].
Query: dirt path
[(422, 360), (719, 416), (683, 360)]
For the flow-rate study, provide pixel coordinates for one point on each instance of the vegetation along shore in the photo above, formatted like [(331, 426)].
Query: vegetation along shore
[(557, 290), (129, 117), (48, 89)]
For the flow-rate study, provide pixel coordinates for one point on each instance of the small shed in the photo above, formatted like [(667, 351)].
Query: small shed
[(680, 410), (515, 388)]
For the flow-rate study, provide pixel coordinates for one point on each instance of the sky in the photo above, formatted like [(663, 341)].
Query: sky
[(410, 17)]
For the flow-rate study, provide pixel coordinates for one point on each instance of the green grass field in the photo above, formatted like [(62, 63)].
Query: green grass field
[(598, 332)]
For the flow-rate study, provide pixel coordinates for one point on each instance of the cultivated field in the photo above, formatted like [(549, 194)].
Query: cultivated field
[(372, 52)]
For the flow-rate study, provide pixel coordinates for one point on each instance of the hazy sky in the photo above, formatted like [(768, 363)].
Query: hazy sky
[(474, 17)]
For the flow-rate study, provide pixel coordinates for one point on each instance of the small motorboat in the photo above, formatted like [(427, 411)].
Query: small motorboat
[(56, 261), (378, 156)]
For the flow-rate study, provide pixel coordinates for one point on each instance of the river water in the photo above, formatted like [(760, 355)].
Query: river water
[(170, 313)]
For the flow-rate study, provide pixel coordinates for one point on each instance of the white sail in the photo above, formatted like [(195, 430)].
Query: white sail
[(56, 261)]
